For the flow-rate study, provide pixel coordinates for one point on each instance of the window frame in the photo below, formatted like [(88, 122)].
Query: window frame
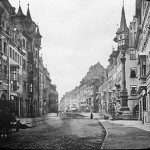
[(132, 54), (133, 69), (133, 86)]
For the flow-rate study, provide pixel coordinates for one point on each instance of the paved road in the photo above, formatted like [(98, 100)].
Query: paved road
[(72, 132)]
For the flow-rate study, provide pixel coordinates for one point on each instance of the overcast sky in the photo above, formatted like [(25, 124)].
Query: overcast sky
[(76, 34)]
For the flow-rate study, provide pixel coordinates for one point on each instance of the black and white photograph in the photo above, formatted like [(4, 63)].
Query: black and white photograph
[(74, 74)]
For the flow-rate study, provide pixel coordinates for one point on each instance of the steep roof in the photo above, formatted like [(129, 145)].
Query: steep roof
[(19, 13), (123, 25)]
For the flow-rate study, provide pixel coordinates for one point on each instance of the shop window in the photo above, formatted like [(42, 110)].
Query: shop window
[(133, 90), (132, 72), (132, 54)]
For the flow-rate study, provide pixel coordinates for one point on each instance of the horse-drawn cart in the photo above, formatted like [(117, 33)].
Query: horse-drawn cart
[(7, 117)]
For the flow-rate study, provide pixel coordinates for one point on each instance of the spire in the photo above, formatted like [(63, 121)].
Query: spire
[(20, 13), (123, 25), (38, 32), (28, 14)]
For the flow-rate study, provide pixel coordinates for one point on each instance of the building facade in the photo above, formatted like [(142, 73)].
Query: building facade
[(23, 77)]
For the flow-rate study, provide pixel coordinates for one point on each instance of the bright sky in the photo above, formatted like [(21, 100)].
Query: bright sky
[(76, 34)]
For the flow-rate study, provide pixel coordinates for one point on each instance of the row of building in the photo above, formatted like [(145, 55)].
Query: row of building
[(124, 88), (24, 79), (85, 95)]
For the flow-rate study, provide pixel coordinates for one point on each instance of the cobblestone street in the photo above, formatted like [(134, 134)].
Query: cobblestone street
[(69, 132)]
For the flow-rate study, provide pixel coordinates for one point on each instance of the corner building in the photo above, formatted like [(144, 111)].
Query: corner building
[(20, 42)]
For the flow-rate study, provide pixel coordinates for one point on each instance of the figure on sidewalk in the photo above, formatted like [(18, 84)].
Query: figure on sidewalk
[(91, 116)]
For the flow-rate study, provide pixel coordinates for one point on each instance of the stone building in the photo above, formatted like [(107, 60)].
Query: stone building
[(142, 44), (20, 66), (110, 90), (85, 97)]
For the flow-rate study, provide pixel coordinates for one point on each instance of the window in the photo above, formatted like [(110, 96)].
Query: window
[(15, 38), (13, 55), (20, 79), (10, 52), (132, 54), (24, 85), (27, 47), (0, 68), (23, 43), (24, 64), (5, 71), (132, 72), (20, 61), (143, 68), (36, 54), (5, 48), (133, 90), (3, 24), (16, 56), (0, 45)]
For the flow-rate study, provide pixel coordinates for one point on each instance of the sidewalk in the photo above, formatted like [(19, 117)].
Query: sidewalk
[(125, 134)]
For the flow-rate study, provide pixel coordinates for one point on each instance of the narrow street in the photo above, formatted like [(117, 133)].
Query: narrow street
[(71, 131)]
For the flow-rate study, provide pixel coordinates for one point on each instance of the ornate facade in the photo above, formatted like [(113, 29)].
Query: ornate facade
[(20, 66)]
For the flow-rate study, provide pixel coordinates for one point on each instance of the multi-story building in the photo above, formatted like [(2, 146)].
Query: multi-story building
[(142, 44), (20, 66), (114, 80), (85, 97)]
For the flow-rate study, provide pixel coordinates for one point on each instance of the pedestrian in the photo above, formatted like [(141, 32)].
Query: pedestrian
[(91, 116)]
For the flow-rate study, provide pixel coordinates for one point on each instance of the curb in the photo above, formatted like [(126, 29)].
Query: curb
[(105, 139)]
